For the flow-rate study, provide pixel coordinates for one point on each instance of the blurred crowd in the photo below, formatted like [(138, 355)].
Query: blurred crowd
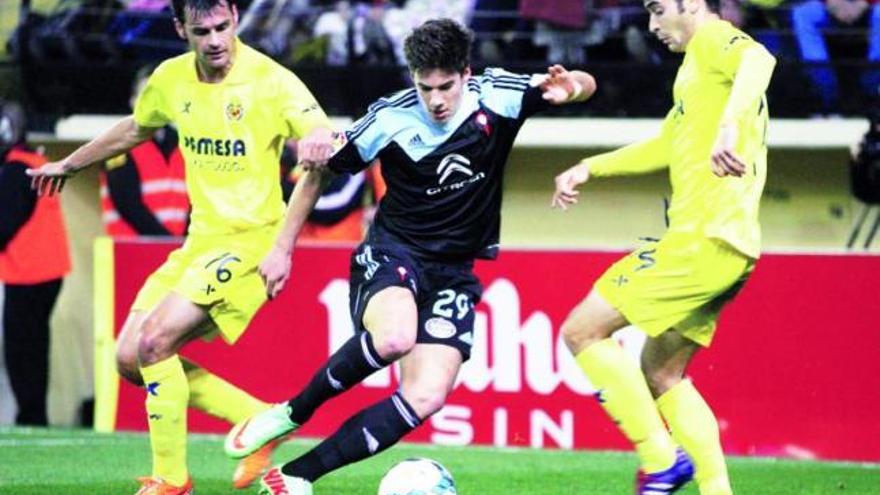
[(370, 33)]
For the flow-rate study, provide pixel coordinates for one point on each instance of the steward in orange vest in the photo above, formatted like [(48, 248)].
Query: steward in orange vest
[(34, 258), (144, 191), (33, 242)]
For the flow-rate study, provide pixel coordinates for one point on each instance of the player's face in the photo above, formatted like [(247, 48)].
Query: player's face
[(672, 22), (211, 35), (441, 91)]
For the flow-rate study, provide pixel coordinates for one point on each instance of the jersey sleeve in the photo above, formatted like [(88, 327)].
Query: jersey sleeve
[(300, 110), (151, 109), (348, 159), (724, 50), (510, 95)]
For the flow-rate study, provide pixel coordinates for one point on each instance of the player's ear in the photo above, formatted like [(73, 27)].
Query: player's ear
[(466, 74), (234, 14), (181, 31)]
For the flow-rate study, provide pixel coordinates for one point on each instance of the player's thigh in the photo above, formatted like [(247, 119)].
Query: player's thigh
[(172, 323), (665, 359), (591, 320), (391, 317), (427, 376)]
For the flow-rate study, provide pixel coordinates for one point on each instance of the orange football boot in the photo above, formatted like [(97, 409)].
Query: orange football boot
[(155, 486), (255, 465)]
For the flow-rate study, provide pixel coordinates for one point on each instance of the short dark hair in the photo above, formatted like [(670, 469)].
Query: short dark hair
[(180, 6), (439, 44)]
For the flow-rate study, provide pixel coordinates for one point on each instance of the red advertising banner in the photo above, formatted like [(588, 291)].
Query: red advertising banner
[(793, 370)]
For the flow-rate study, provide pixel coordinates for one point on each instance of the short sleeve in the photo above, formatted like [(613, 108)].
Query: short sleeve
[(503, 92), (151, 109), (300, 110)]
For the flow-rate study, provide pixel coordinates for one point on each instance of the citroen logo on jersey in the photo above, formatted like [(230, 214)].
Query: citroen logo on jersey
[(451, 164)]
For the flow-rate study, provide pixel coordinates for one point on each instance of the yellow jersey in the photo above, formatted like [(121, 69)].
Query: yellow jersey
[(725, 208), (231, 134)]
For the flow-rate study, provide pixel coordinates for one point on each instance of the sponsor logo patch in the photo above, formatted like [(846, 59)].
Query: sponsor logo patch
[(440, 328)]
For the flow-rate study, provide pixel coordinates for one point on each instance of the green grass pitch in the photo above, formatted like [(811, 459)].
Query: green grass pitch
[(73, 462)]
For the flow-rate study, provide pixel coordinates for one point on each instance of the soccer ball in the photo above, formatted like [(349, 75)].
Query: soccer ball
[(417, 477)]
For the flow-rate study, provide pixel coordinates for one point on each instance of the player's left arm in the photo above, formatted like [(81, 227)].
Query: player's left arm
[(751, 67), (562, 86), (275, 268)]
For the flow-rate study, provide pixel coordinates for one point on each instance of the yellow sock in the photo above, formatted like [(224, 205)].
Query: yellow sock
[(625, 396), (217, 397), (167, 396), (695, 428)]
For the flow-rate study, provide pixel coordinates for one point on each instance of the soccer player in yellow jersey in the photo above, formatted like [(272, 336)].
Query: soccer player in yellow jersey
[(233, 108), (713, 144)]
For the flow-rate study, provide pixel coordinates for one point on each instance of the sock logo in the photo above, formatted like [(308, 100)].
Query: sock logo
[(334, 382), (372, 443), (157, 417), (152, 389)]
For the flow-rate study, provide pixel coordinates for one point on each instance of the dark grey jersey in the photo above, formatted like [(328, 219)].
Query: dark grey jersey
[(444, 180)]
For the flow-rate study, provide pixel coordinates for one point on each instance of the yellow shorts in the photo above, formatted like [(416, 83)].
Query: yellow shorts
[(217, 272), (680, 282)]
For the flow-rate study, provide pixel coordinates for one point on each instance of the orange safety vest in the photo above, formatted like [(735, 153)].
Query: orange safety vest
[(38, 252), (163, 189)]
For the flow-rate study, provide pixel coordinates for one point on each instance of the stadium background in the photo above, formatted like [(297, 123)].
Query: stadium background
[(807, 205)]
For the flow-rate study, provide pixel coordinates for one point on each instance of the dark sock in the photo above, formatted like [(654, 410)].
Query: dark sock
[(364, 435), (352, 363)]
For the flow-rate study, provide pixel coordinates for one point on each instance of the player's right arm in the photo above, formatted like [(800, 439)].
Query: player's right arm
[(637, 158), (275, 268), (123, 136)]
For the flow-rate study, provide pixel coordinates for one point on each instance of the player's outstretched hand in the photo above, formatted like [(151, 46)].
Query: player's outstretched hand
[(566, 193), (314, 150), (725, 160), (562, 86), (50, 178), (275, 270)]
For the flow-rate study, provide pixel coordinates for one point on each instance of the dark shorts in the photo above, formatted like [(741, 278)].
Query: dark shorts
[(445, 293)]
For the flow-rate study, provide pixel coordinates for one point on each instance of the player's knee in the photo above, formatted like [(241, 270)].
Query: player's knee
[(425, 399), (577, 335), (661, 380), (127, 366), (395, 344), (154, 343)]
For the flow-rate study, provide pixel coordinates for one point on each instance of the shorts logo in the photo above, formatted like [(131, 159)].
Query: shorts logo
[(440, 328)]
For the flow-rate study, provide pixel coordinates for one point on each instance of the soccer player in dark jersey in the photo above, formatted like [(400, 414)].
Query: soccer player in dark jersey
[(443, 146)]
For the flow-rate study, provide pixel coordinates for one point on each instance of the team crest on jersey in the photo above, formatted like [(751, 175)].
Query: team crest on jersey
[(234, 111), (483, 123)]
